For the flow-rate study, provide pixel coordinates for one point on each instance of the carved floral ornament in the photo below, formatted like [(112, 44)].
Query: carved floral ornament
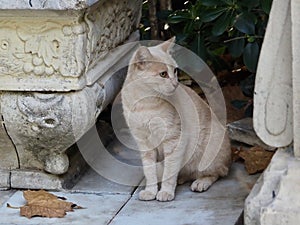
[(65, 46), (45, 49)]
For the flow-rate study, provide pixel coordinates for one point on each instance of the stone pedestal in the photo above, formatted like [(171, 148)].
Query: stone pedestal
[(275, 199), (58, 63)]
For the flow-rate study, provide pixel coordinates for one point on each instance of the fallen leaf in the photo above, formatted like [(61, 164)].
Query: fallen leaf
[(46, 199), (256, 159), (44, 204), (36, 210)]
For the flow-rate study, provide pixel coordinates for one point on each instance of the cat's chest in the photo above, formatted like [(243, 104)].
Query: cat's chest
[(142, 118)]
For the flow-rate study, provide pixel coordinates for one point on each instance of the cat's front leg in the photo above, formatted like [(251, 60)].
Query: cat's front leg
[(172, 166), (149, 166)]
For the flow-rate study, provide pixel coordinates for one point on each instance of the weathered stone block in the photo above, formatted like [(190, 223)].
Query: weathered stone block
[(59, 68), (4, 179)]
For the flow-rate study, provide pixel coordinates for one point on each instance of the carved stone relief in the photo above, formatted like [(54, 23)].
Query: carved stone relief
[(111, 26), (45, 49), (55, 53)]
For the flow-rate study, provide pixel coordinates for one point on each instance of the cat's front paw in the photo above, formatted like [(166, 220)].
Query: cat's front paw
[(202, 184), (164, 196), (147, 195)]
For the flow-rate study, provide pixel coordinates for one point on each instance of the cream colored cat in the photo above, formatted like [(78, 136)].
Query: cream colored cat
[(172, 125)]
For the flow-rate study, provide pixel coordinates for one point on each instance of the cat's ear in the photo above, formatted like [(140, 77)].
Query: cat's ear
[(142, 55), (168, 45)]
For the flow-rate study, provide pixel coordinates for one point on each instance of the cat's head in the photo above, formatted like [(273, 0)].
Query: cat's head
[(156, 67)]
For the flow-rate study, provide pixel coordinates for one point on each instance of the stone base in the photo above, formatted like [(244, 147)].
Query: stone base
[(37, 179), (275, 198), (243, 131), (4, 179)]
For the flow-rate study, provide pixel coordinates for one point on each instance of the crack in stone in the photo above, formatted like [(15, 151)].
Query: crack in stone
[(4, 126)]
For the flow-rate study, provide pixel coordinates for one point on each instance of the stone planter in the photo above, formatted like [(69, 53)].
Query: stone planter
[(56, 77)]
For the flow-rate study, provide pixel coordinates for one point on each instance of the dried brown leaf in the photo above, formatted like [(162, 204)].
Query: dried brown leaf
[(256, 159), (44, 204), (53, 203), (35, 210), (30, 195)]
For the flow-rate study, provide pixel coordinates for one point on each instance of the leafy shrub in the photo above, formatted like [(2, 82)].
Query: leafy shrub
[(213, 27)]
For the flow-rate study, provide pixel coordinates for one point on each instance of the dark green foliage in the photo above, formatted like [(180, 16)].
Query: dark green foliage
[(211, 28)]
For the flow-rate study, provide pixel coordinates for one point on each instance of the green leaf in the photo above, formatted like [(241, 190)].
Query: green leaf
[(251, 39), (219, 51), (181, 38), (239, 104), (250, 4), (266, 5), (173, 19), (189, 27), (229, 2), (221, 24), (245, 23), (250, 56), (212, 14), (178, 17), (198, 46), (211, 2), (236, 47)]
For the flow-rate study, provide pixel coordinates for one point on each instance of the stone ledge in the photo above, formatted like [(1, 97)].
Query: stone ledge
[(243, 131)]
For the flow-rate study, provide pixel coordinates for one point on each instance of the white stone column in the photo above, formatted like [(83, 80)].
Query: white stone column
[(56, 77), (295, 6), (275, 198)]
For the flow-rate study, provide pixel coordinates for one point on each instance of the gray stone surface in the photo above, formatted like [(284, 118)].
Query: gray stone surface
[(109, 203), (92, 182), (5, 195), (99, 209), (221, 204), (243, 131)]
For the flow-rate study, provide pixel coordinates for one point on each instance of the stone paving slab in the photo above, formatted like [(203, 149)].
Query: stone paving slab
[(92, 182), (110, 203), (5, 195), (221, 204), (100, 209)]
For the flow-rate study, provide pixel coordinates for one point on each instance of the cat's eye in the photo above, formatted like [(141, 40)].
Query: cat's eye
[(164, 74)]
